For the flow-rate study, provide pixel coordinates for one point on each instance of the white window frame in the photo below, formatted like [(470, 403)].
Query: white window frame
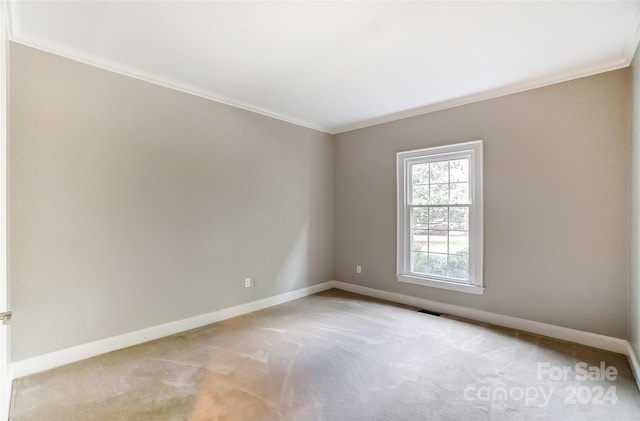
[(473, 151)]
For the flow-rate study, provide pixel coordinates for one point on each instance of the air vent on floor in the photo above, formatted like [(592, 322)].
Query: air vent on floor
[(432, 313)]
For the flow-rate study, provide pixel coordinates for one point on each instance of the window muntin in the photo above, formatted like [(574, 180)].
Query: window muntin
[(440, 216)]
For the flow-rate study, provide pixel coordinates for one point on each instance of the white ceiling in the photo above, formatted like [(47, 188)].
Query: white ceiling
[(336, 66)]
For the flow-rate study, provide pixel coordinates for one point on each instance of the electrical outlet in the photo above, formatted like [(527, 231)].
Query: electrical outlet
[(358, 269), (247, 283)]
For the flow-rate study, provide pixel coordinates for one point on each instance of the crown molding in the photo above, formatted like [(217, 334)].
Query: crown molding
[(486, 95), (627, 54), (633, 41), (112, 66), (9, 8)]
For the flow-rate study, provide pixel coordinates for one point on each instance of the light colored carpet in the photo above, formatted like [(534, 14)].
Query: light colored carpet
[(336, 356)]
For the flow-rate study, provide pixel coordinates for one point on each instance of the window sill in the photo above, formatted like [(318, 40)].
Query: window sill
[(436, 283)]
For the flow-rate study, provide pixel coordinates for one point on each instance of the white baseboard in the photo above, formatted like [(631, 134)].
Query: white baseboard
[(595, 340), (69, 355), (634, 363), (6, 395)]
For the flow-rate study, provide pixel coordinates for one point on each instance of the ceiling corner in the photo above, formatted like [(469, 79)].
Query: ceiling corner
[(10, 8), (633, 42)]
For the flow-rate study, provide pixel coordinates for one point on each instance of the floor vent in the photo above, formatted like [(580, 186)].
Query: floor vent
[(433, 313)]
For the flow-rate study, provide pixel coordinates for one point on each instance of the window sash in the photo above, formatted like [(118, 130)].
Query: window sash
[(405, 162), (410, 232)]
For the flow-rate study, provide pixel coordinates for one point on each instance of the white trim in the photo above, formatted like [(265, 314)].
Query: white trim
[(69, 355), (5, 340), (451, 286), (163, 81), (632, 43), (7, 395), (109, 65), (595, 340), (634, 363), (12, 18), (80, 352), (404, 164), (486, 95)]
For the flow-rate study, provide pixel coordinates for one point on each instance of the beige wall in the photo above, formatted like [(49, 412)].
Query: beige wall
[(133, 205), (635, 205), (556, 191)]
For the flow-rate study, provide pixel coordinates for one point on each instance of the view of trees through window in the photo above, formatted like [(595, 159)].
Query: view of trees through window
[(439, 206)]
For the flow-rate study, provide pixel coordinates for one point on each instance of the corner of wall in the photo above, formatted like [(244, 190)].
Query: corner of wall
[(634, 249)]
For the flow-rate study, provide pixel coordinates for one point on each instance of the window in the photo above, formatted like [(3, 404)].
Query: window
[(440, 217)]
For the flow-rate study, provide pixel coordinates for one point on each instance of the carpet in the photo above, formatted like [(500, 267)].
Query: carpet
[(337, 356)]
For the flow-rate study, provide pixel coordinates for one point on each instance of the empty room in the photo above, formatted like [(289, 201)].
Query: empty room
[(319, 210)]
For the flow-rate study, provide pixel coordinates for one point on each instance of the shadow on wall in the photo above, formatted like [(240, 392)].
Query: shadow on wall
[(134, 205)]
